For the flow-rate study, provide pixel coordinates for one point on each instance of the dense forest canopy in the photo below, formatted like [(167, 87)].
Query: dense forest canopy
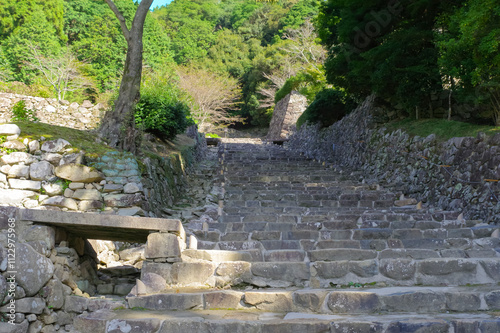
[(252, 53)]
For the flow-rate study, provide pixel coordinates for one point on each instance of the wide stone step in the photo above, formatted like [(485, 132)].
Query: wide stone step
[(324, 268), (313, 240), (347, 300), (225, 321)]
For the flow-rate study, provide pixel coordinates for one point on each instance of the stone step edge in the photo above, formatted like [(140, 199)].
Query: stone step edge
[(332, 301), (218, 321), (156, 276)]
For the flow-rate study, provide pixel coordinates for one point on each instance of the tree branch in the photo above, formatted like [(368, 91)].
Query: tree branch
[(120, 17), (140, 14)]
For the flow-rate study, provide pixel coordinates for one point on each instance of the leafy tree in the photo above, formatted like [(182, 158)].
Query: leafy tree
[(79, 16), (381, 47), (212, 96), (102, 46), (161, 109), (14, 14), (470, 53), (62, 73), (229, 54), (191, 27), (157, 44), (119, 125), (329, 107), (36, 31), (298, 14)]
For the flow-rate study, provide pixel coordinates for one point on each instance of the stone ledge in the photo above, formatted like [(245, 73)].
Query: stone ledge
[(108, 227), (267, 322)]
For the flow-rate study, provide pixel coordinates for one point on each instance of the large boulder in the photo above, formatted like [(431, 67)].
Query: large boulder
[(79, 173), (17, 157), (84, 194), (54, 294), (22, 184), (55, 146), (37, 269), (9, 129), (19, 171), (41, 170), (286, 113), (14, 144), (15, 197), (62, 202)]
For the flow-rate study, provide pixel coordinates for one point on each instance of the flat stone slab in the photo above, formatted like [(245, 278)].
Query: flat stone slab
[(329, 301), (205, 321), (106, 227)]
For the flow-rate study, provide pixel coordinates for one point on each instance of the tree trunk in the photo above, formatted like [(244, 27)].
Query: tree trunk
[(118, 126), (452, 87), (495, 101)]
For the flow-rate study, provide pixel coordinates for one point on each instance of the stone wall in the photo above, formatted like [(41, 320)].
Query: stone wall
[(286, 113), (53, 175), (48, 277), (83, 116), (56, 281), (451, 175)]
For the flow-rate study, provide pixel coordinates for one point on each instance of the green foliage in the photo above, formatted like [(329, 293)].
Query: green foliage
[(297, 14), (103, 47), (382, 48), (212, 135), (36, 32), (14, 14), (4, 150), (443, 129), (191, 25), (329, 107), (307, 83), (85, 140), (160, 110), (21, 113), (470, 53), (290, 85)]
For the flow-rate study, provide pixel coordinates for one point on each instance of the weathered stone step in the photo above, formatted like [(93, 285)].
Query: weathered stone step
[(286, 229), (227, 321), (275, 240), (330, 301), (322, 268)]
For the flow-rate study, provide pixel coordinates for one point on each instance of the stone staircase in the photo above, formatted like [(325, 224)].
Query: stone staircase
[(300, 246)]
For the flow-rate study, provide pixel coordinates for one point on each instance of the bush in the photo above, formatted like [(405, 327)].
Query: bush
[(329, 107), (21, 113), (160, 110), (161, 116)]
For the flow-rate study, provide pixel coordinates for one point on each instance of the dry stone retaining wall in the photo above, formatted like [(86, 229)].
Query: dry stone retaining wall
[(52, 175), (83, 116), (452, 175), (286, 113), (54, 275)]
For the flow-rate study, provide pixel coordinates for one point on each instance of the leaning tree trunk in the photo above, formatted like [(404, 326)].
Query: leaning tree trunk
[(118, 126)]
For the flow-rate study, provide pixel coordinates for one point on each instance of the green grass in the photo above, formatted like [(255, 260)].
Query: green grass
[(83, 140), (443, 129)]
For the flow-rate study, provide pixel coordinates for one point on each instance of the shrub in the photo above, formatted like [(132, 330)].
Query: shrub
[(162, 117), (21, 113), (329, 107), (160, 110)]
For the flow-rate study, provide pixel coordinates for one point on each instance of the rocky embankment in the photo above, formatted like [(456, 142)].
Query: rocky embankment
[(82, 116), (459, 174)]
